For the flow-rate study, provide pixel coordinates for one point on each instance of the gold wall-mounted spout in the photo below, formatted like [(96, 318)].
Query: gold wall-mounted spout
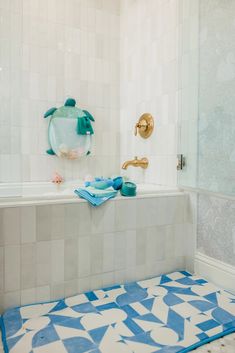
[(143, 163), (145, 125)]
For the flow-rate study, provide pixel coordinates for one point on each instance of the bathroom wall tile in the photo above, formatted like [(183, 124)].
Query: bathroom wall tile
[(43, 223), (72, 220), (108, 252), (131, 247), (70, 288), (63, 28), (85, 219), (97, 254), (57, 291), (125, 214), (153, 90), (120, 251), (144, 210), (43, 263), (180, 239), (43, 274), (28, 224), (12, 268), (155, 244), (43, 293), (96, 281), (84, 257), (11, 225), (171, 210), (169, 242), (70, 259), (43, 252), (141, 247), (107, 279), (28, 266), (28, 296), (57, 221), (84, 284), (103, 218), (57, 261), (120, 276), (11, 299)]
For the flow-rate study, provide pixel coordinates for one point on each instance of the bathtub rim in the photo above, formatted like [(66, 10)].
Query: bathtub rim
[(24, 201)]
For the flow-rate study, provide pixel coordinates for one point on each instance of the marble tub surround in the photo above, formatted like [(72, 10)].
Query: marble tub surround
[(52, 251)]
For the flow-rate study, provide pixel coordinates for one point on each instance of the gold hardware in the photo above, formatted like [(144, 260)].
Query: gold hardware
[(145, 125), (143, 163)]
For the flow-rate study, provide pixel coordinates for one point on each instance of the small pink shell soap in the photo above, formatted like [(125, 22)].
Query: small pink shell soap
[(57, 178)]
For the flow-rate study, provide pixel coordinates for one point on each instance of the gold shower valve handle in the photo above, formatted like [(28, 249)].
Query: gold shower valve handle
[(136, 127), (141, 125), (144, 125)]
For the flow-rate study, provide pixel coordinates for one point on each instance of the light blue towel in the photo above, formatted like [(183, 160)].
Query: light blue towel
[(100, 192), (94, 200)]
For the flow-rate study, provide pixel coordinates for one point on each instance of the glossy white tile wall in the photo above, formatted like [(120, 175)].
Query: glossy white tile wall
[(60, 250), (149, 83), (117, 61), (189, 88), (51, 50)]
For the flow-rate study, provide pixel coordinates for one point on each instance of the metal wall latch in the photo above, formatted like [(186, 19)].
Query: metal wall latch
[(181, 162)]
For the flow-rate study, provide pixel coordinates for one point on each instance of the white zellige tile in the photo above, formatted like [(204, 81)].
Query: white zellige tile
[(57, 261), (11, 225), (12, 268), (28, 224)]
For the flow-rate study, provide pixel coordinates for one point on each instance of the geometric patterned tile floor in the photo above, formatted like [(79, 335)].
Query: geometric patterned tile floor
[(172, 313)]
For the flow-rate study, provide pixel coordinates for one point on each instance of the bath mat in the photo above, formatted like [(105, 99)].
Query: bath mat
[(172, 313)]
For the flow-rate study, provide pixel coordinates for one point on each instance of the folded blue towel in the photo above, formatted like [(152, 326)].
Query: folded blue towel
[(94, 201), (100, 192)]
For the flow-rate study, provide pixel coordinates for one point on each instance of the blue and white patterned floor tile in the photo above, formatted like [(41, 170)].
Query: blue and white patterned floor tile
[(168, 314)]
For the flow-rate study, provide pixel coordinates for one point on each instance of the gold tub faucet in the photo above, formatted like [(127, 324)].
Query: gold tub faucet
[(143, 163)]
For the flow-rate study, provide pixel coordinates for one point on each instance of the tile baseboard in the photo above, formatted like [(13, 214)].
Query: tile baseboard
[(218, 272)]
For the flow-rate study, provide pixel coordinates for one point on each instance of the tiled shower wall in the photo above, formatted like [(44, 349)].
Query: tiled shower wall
[(52, 251), (119, 59), (149, 84), (51, 50)]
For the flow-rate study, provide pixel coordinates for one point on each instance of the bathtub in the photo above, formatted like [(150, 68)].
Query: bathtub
[(78, 248), (50, 192)]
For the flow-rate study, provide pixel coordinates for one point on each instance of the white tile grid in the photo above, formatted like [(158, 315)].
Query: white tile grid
[(80, 51), (154, 90), (123, 241), (92, 68)]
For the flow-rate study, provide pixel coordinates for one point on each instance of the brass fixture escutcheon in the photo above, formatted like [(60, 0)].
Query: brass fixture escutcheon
[(145, 125)]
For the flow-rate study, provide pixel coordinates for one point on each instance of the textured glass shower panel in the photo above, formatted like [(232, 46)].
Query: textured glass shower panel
[(216, 144)]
